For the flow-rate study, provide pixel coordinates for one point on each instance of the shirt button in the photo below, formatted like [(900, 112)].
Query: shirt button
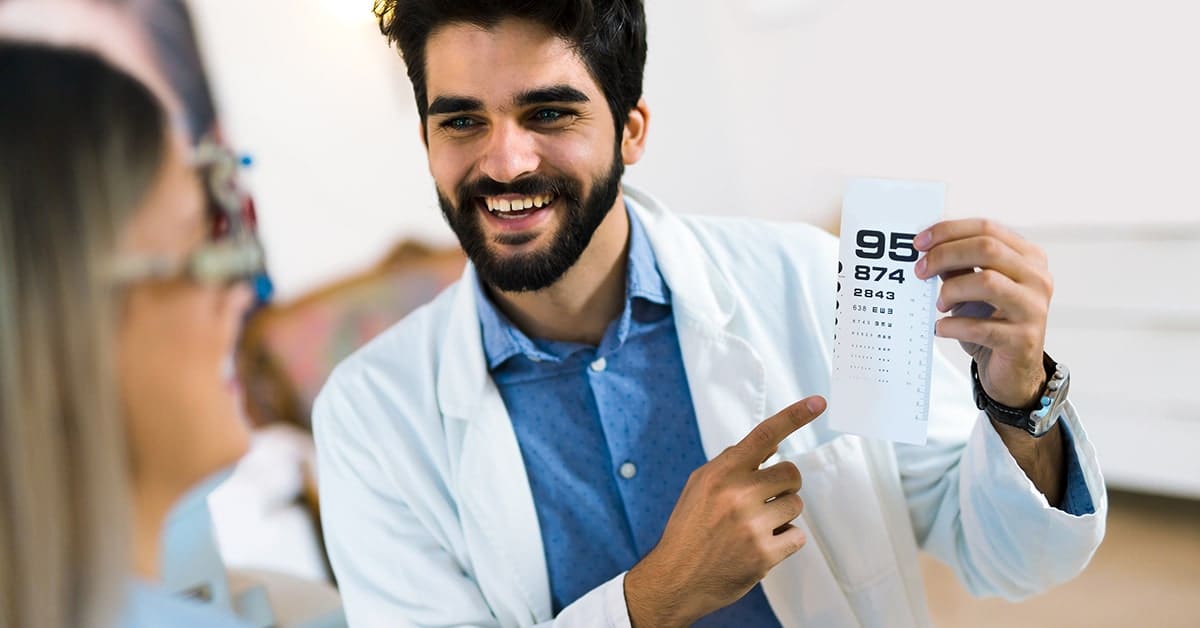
[(628, 470), (599, 365)]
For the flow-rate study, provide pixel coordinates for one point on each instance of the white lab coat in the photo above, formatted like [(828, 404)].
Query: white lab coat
[(429, 519)]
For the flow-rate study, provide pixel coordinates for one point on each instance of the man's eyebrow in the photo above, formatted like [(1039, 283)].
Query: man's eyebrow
[(554, 93), (453, 104)]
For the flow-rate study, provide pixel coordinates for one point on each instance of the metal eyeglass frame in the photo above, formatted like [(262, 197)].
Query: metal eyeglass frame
[(236, 255)]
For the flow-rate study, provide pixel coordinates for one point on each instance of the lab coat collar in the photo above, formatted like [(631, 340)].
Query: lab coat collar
[(697, 285)]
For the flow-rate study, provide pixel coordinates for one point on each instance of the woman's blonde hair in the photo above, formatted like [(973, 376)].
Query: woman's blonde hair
[(80, 145)]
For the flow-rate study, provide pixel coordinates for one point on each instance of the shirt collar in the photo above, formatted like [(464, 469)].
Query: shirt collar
[(644, 279), (502, 340)]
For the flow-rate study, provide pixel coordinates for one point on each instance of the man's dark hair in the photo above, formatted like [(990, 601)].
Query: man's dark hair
[(609, 35)]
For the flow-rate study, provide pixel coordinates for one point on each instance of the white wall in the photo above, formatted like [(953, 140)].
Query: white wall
[(1072, 120), (1036, 112), (1126, 319)]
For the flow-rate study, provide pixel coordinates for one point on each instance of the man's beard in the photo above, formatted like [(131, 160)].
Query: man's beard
[(536, 270)]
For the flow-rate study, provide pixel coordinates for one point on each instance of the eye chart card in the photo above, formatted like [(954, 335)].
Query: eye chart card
[(883, 334)]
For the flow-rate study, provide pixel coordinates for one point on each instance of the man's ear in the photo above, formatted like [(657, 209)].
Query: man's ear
[(633, 140)]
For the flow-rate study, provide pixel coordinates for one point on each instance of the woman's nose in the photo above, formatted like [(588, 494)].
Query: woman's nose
[(240, 298)]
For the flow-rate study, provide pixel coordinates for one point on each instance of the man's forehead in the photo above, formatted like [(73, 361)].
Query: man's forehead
[(497, 63)]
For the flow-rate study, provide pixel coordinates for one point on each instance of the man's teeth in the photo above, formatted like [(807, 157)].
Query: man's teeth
[(516, 205)]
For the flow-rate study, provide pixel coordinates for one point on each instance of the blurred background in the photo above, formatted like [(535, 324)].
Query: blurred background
[(1074, 122)]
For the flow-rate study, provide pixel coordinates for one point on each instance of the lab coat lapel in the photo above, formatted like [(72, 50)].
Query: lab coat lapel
[(725, 375), (497, 511)]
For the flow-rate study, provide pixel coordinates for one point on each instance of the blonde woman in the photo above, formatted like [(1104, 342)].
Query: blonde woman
[(121, 296)]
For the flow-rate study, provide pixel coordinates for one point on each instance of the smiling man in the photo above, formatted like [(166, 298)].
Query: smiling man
[(580, 431)]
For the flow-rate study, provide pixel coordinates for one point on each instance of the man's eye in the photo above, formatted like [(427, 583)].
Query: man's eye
[(458, 124), (551, 115)]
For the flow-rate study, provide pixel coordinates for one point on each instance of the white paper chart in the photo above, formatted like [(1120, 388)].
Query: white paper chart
[(883, 334)]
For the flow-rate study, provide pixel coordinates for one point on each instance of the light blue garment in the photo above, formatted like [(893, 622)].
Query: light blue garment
[(148, 606), (608, 446), (189, 557)]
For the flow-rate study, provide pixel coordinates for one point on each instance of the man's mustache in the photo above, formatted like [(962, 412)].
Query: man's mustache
[(530, 186)]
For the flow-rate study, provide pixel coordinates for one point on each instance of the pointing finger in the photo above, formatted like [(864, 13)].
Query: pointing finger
[(762, 441)]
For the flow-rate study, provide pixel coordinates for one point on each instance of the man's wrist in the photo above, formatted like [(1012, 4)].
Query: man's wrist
[(1042, 458), (648, 606), (1023, 393), (1026, 398)]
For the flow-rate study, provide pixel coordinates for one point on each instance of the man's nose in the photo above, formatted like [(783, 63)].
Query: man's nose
[(510, 153)]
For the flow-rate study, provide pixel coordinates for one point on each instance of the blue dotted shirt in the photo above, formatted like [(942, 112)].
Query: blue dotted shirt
[(608, 435)]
